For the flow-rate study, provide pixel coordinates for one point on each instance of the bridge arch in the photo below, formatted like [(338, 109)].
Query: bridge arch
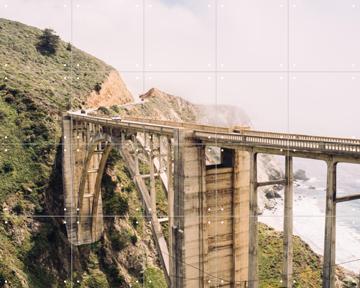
[(99, 143)]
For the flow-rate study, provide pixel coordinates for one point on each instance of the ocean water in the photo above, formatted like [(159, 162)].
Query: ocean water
[(309, 211)]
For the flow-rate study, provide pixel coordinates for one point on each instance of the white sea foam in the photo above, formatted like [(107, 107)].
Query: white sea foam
[(309, 224)]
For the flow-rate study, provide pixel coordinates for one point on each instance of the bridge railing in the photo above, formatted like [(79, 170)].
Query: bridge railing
[(281, 143), (245, 137), (300, 137), (185, 125), (154, 128)]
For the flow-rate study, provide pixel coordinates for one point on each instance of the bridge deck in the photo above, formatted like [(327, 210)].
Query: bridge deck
[(279, 143), (191, 186)]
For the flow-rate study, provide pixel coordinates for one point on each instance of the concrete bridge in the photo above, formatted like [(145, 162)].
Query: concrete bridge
[(212, 208)]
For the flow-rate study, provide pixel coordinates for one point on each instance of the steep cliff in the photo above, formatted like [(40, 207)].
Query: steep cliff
[(34, 91)]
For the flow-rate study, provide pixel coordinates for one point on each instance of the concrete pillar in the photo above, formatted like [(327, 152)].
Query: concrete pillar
[(253, 224), (122, 142), (288, 225), (188, 178), (68, 167), (152, 175), (160, 154), (136, 156), (97, 216), (170, 193), (330, 228), (241, 217)]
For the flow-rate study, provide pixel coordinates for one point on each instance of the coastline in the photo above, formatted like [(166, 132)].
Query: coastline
[(309, 224)]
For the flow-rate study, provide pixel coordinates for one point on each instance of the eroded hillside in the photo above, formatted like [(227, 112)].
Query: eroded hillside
[(35, 90)]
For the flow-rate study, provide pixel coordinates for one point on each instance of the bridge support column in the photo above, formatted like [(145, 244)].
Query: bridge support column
[(84, 157), (187, 253), (136, 156), (288, 225), (170, 192), (330, 228), (240, 216), (253, 224), (152, 176)]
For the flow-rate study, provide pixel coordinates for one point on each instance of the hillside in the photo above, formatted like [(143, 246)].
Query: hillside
[(34, 91)]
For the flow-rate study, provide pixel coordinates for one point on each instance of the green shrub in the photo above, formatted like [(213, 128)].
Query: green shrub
[(2, 280), (19, 208), (104, 110), (117, 205), (114, 157), (10, 99), (154, 278), (7, 167), (119, 240), (68, 47), (117, 280), (112, 273), (95, 280), (48, 42), (115, 108), (133, 239), (134, 222), (2, 115), (97, 88)]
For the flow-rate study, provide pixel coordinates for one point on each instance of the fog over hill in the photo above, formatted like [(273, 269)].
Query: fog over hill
[(222, 115)]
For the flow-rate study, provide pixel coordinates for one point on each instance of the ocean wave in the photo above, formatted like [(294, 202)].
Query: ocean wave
[(312, 180)]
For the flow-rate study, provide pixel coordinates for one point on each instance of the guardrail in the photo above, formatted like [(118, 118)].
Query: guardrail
[(281, 143), (139, 126), (185, 125), (244, 137), (300, 137)]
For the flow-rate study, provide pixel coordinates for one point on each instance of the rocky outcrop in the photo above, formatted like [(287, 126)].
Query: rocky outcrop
[(113, 91), (300, 175)]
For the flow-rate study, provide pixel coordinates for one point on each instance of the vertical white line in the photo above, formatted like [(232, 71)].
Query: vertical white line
[(288, 65), (216, 103), (71, 103), (143, 89)]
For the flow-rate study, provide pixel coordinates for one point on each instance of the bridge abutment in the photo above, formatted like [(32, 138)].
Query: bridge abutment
[(85, 151), (211, 217)]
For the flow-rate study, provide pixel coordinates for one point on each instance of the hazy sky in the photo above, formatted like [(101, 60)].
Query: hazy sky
[(247, 41)]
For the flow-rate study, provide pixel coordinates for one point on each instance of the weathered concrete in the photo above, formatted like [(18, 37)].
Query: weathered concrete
[(287, 275), (330, 228), (212, 210), (85, 150), (241, 217), (253, 281), (212, 213), (187, 253)]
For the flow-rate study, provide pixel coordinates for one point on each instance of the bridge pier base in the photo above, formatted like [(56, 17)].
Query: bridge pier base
[(287, 275), (330, 228), (211, 221), (253, 281), (188, 186)]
